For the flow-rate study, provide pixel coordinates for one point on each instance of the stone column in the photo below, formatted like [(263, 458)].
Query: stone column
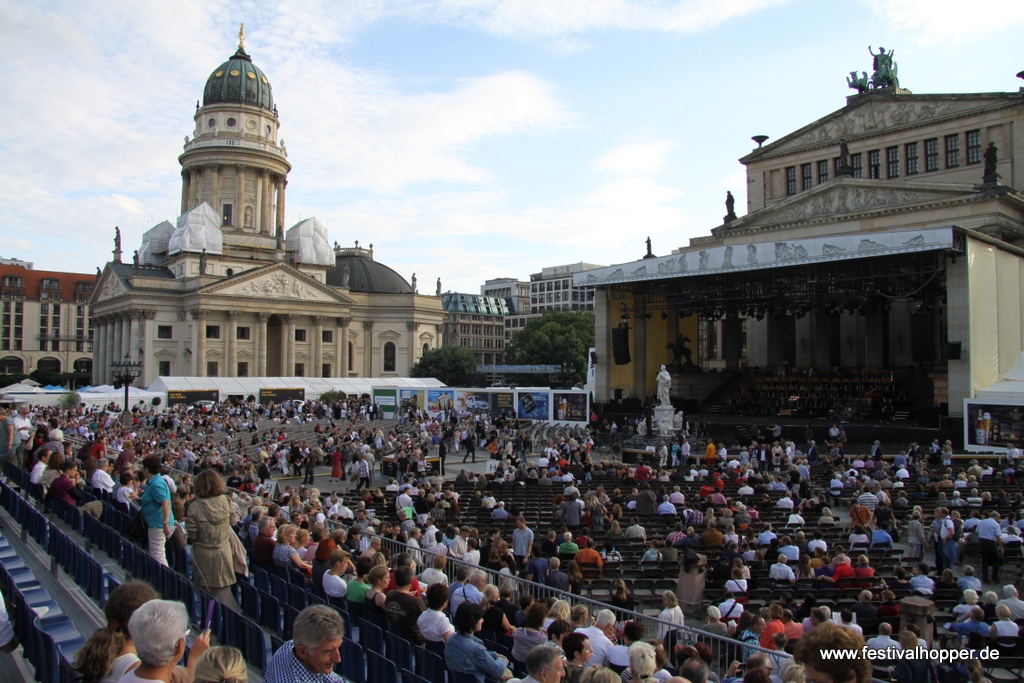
[(215, 192), (198, 342), (281, 184), (342, 354), (113, 337), (258, 221), (126, 335), (115, 333), (184, 191), (232, 369), (640, 369), (238, 215), (98, 355), (261, 344), (318, 345), (367, 348), (288, 347), (266, 200), (413, 344), (135, 335), (149, 367)]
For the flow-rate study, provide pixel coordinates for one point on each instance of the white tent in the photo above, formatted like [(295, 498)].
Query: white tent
[(1011, 386), (312, 386)]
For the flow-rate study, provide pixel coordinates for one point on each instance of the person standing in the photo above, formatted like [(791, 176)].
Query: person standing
[(208, 523), (363, 468), (156, 509), (990, 543)]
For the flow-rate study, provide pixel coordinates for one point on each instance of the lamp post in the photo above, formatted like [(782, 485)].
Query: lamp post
[(125, 372)]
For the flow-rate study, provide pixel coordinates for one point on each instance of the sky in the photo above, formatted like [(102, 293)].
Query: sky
[(464, 139)]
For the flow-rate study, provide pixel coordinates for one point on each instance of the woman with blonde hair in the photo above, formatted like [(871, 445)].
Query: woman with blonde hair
[(672, 614), (599, 674), (221, 664), (559, 610), (286, 553)]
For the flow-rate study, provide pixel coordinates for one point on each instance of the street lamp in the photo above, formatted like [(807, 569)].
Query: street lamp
[(125, 372)]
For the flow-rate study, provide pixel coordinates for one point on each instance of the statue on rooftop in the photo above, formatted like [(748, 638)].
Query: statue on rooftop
[(859, 83), (991, 156), (885, 69), (730, 207)]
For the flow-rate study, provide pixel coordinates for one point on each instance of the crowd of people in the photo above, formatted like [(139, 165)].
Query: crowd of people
[(412, 551)]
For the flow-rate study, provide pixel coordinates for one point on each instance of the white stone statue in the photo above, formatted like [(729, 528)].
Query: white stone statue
[(664, 385)]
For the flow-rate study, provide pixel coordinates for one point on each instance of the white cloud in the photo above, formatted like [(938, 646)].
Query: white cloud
[(948, 21), (634, 157)]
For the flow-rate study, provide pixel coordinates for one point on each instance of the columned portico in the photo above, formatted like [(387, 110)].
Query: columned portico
[(232, 369), (261, 344), (288, 359), (342, 354), (318, 347), (198, 342)]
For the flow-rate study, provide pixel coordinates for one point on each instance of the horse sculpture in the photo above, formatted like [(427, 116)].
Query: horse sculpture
[(680, 350)]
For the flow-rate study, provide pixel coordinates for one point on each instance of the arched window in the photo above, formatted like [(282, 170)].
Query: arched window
[(389, 357), (426, 347), (351, 356), (11, 365), (48, 364), (83, 365)]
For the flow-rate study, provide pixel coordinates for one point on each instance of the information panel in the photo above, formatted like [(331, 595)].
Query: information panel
[(279, 396), (190, 396)]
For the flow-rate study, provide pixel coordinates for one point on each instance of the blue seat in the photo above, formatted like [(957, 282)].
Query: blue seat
[(260, 579), (47, 633), (410, 677), (255, 644), (279, 588), (380, 668), (399, 650), (297, 597), (371, 637), (250, 601), (430, 665), (353, 662), (289, 613), (457, 677), (270, 614)]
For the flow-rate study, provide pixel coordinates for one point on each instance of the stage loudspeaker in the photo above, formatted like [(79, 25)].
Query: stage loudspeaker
[(922, 340), (953, 350), (620, 345)]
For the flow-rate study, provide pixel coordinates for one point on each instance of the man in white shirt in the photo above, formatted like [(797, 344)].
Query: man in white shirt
[(36, 476), (600, 635), (730, 609), (785, 503), (101, 478), (884, 640), (781, 572)]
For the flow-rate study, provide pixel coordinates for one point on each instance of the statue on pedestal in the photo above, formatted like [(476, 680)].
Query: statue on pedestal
[(664, 386), (730, 207), (991, 156)]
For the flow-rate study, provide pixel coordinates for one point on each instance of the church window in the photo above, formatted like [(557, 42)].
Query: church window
[(300, 335), (212, 123), (325, 370), (892, 162), (389, 357), (426, 348), (212, 368), (351, 356), (874, 164), (931, 154), (974, 147), (823, 171), (164, 332), (953, 150), (857, 163), (243, 369), (228, 208), (327, 337), (790, 181), (213, 331), (911, 153), (231, 122), (242, 333), (300, 369), (163, 368), (805, 177)]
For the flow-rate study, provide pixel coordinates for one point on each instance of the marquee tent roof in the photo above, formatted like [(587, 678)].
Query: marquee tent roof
[(313, 386), (1010, 386)]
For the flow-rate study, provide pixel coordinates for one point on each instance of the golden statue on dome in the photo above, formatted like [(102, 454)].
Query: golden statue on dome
[(241, 36)]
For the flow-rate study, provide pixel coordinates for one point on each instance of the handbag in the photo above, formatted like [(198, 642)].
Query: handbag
[(136, 529)]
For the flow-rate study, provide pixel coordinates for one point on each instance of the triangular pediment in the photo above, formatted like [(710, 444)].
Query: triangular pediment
[(847, 197), (871, 115), (277, 281), (109, 286)]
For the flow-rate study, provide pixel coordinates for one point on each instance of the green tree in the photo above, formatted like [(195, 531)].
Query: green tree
[(453, 365), (69, 400), (555, 338)]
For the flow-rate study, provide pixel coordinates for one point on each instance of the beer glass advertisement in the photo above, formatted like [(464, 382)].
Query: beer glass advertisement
[(992, 425), (503, 403), (532, 405), (440, 399), (569, 407)]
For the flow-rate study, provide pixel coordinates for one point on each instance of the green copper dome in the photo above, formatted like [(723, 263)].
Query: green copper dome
[(238, 81)]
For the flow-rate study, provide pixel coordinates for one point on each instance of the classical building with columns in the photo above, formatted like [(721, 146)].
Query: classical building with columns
[(881, 254), (227, 291)]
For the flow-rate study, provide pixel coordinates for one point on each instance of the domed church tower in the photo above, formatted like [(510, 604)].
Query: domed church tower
[(234, 160)]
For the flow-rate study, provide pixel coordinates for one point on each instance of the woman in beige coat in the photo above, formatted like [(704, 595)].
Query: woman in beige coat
[(208, 524)]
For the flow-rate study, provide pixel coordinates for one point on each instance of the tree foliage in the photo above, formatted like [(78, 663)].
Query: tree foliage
[(453, 365), (556, 338), (69, 400)]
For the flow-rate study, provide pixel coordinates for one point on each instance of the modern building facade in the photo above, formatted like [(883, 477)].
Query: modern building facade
[(228, 291), (516, 294), (45, 323), (885, 236), (553, 289), (477, 323)]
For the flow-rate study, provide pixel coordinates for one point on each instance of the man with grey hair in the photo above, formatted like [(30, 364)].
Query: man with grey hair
[(600, 635), (159, 629), (101, 478), (1013, 601), (694, 670), (314, 650), (471, 591), (544, 664)]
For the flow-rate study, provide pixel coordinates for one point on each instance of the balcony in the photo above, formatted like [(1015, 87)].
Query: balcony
[(219, 141)]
